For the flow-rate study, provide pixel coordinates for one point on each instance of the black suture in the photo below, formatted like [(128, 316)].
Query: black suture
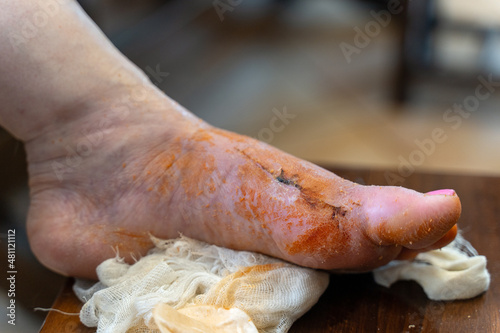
[(281, 178), (338, 211)]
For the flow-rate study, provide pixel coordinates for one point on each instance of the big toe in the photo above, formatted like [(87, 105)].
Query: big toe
[(399, 216)]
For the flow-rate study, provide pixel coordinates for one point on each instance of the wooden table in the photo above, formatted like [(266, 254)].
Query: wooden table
[(354, 303)]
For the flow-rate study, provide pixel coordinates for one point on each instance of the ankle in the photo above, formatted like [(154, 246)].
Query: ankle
[(104, 128)]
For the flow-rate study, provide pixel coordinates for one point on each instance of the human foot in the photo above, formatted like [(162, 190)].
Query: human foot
[(159, 171), (111, 160)]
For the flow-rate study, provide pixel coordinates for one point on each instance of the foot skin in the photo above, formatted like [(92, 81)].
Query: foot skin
[(150, 173)]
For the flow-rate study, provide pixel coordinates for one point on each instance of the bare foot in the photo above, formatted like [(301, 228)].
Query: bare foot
[(108, 180), (112, 160)]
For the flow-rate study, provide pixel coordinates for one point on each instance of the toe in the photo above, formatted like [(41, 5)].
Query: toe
[(409, 254), (414, 220)]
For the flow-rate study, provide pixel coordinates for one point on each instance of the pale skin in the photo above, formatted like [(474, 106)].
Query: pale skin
[(113, 160)]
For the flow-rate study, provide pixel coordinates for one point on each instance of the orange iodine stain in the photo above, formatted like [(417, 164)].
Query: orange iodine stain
[(316, 240), (200, 182), (327, 230), (158, 175), (121, 232), (258, 269), (247, 278), (128, 241), (185, 162), (251, 201), (202, 136)]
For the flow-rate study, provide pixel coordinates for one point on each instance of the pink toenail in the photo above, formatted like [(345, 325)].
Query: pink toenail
[(441, 192)]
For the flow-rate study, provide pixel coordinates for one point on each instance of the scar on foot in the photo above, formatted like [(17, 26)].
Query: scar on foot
[(288, 181)]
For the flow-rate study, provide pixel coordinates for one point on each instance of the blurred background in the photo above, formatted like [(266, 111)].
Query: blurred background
[(389, 85)]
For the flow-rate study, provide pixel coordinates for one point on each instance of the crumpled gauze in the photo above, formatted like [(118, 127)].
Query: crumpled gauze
[(184, 285), (454, 272)]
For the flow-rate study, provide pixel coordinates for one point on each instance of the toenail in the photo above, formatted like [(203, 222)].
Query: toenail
[(441, 192)]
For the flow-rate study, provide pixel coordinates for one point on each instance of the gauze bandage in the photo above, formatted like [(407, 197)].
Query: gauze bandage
[(454, 272), (185, 285)]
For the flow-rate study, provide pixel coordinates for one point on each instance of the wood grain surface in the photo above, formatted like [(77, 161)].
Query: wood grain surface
[(354, 303)]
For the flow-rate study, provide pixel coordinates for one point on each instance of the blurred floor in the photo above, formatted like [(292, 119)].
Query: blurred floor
[(263, 59)]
